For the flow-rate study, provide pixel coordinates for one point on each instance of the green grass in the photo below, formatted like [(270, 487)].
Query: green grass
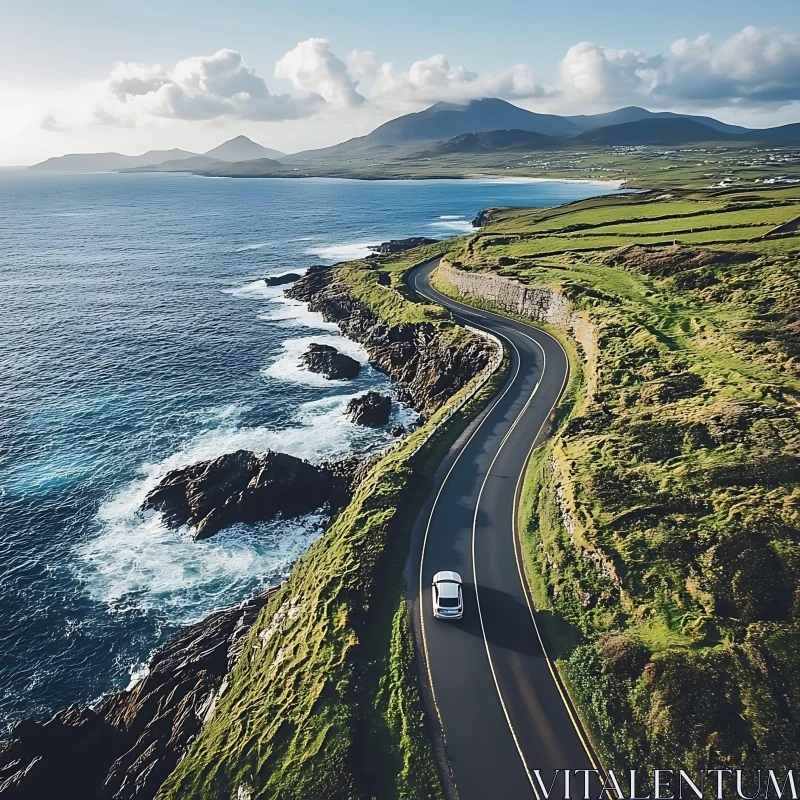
[(385, 301), (601, 214), (606, 223), (324, 701), (671, 598)]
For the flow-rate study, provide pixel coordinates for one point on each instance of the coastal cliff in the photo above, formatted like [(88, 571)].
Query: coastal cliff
[(339, 647), (125, 747), (327, 685), (427, 364)]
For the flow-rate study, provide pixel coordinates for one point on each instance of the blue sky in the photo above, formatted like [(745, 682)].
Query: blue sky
[(64, 84)]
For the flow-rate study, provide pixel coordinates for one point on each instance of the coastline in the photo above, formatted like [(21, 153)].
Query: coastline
[(134, 747), (477, 178)]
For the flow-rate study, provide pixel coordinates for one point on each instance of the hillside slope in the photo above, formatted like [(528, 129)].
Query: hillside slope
[(661, 528), (243, 169), (652, 132), (491, 142), (634, 114)]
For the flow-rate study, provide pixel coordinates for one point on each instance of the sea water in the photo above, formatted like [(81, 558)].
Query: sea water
[(137, 336)]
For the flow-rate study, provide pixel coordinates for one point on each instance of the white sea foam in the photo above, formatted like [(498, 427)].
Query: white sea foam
[(451, 216), (138, 672), (255, 290), (137, 562), (342, 252), (297, 313), (142, 564), (460, 225), (287, 366)]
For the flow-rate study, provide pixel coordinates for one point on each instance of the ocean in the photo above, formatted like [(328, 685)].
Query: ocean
[(135, 337)]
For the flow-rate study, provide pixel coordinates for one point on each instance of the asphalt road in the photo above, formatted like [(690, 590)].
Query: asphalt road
[(502, 712)]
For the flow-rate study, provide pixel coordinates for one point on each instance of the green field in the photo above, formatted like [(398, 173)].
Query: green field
[(661, 525), (654, 218), (716, 167)]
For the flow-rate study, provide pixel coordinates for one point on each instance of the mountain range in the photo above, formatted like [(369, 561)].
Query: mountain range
[(445, 121), (481, 126), (238, 149)]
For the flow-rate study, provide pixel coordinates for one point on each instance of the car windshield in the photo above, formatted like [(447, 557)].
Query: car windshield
[(448, 602)]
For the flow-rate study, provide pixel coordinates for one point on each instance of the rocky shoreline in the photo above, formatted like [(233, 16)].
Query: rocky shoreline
[(126, 746), (247, 487), (426, 368)]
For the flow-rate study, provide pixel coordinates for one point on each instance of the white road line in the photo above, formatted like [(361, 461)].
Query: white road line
[(475, 567), (517, 547), (514, 529), (430, 519), (427, 529)]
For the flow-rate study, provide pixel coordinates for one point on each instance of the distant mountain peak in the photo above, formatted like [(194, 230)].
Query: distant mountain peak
[(241, 148)]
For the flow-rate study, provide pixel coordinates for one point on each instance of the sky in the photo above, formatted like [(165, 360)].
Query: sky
[(88, 76)]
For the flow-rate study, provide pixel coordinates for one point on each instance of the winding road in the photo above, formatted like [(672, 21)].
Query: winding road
[(503, 713)]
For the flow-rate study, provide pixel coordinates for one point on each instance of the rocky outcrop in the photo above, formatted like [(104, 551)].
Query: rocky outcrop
[(482, 218), (124, 748), (244, 487), (400, 245), (372, 409), (427, 367), (329, 362), (280, 280)]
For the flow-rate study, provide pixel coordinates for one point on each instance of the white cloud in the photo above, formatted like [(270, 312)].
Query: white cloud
[(199, 88), (753, 68), (590, 73), (432, 79), (312, 67), (752, 74)]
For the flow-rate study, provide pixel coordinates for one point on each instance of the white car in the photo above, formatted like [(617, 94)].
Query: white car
[(448, 598)]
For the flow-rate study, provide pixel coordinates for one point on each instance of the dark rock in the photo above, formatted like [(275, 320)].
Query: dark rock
[(372, 409), (482, 218), (428, 370), (345, 468), (68, 756), (400, 245), (243, 487), (279, 280), (398, 430), (125, 748), (329, 362)]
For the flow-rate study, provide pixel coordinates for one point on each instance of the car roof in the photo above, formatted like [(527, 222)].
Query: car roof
[(448, 589), (446, 575)]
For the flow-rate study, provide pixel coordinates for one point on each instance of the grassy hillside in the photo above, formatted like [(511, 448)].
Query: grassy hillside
[(731, 219), (662, 525), (324, 701)]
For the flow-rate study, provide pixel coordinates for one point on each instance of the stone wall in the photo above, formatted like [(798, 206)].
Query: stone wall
[(539, 303)]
